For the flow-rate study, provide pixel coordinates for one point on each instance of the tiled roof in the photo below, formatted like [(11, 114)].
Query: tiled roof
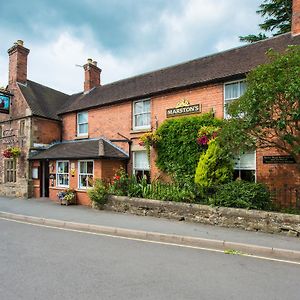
[(83, 149), (43, 101), (234, 63)]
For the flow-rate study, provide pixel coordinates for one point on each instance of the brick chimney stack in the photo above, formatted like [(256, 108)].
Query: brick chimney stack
[(17, 63), (91, 75), (296, 18)]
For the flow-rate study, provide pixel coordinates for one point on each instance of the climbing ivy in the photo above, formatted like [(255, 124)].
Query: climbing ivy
[(177, 149)]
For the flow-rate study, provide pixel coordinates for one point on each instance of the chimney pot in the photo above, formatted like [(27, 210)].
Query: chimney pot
[(89, 60), (20, 42), (95, 63)]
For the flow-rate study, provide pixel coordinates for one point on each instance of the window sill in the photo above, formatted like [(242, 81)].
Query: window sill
[(81, 137), (142, 130)]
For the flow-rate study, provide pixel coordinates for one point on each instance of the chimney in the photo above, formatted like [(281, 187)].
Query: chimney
[(91, 75), (17, 63), (296, 18)]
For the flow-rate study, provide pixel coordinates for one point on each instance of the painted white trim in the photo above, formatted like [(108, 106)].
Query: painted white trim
[(64, 186), (78, 177), (133, 162), (134, 127)]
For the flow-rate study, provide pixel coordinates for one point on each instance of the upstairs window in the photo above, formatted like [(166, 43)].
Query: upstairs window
[(22, 128), (82, 124), (232, 91), (141, 114)]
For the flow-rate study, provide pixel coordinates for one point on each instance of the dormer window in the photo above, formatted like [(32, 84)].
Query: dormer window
[(141, 115), (82, 124)]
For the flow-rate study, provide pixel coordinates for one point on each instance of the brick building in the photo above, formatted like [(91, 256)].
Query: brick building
[(95, 132)]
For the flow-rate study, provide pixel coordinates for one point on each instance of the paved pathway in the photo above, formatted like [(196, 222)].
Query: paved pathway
[(48, 209)]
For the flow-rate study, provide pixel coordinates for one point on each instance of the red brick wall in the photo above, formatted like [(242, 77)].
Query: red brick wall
[(45, 131)]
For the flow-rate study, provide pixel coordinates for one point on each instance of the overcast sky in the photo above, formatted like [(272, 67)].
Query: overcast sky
[(126, 37)]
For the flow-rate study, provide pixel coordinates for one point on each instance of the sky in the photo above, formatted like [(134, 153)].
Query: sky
[(125, 37)]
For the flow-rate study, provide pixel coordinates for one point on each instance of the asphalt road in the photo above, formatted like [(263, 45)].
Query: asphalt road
[(45, 263)]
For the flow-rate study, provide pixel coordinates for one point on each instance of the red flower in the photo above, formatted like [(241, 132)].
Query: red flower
[(117, 177), (7, 153)]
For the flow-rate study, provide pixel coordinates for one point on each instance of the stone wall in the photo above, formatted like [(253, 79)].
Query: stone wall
[(252, 220)]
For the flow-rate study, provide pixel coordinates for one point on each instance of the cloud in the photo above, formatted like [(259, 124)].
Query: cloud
[(125, 37)]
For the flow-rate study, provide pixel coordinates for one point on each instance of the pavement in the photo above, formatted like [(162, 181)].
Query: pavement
[(45, 212)]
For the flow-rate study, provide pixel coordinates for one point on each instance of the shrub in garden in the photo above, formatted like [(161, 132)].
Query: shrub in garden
[(242, 194), (98, 193)]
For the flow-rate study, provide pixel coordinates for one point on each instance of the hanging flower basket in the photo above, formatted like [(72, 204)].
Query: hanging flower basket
[(12, 152)]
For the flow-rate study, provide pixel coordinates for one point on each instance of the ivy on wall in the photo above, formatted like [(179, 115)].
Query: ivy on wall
[(177, 150)]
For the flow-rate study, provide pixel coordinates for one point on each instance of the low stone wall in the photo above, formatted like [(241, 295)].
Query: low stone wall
[(221, 216)]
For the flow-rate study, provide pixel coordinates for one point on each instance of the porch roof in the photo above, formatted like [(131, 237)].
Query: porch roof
[(83, 149)]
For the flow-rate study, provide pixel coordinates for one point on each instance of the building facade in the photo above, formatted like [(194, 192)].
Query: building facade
[(69, 140)]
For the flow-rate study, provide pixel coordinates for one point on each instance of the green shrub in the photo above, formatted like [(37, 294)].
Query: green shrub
[(98, 193), (177, 150), (214, 168), (242, 194)]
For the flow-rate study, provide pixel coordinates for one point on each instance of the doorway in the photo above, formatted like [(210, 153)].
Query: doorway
[(44, 178)]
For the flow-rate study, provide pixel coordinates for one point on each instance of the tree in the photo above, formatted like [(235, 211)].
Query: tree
[(268, 114), (278, 19)]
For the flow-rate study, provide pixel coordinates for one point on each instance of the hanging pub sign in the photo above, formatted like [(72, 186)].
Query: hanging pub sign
[(183, 108), (4, 102), (279, 159)]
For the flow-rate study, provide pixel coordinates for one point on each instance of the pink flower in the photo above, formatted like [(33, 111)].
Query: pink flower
[(203, 140)]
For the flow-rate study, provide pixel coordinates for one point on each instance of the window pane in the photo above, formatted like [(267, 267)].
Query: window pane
[(141, 160), (83, 129), (245, 161), (82, 117), (82, 181), (242, 88), (232, 91), (138, 107), (90, 167), (147, 106), (82, 167), (139, 120), (90, 180)]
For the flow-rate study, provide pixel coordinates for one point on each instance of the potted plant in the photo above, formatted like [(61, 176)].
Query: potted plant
[(67, 197), (12, 152)]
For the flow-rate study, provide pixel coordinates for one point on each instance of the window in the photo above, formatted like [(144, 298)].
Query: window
[(141, 167), (232, 91), (82, 124), (1, 131), (62, 174), (141, 114), (22, 128), (10, 170), (86, 174), (244, 166)]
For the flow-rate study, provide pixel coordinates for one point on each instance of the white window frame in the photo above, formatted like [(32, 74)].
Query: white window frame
[(57, 181), (78, 124), (133, 162), (79, 174), (249, 169), (226, 101), (134, 126)]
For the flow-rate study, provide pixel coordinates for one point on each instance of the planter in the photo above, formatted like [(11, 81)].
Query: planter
[(67, 197)]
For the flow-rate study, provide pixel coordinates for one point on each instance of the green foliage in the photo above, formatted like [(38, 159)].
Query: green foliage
[(177, 150), (98, 193), (278, 17), (124, 185), (215, 167), (268, 114), (242, 194)]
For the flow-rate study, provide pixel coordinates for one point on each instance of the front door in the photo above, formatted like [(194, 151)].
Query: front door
[(44, 179)]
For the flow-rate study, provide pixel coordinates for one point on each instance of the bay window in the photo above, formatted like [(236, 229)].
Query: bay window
[(86, 174), (232, 91), (141, 114), (141, 167), (82, 124), (62, 174)]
